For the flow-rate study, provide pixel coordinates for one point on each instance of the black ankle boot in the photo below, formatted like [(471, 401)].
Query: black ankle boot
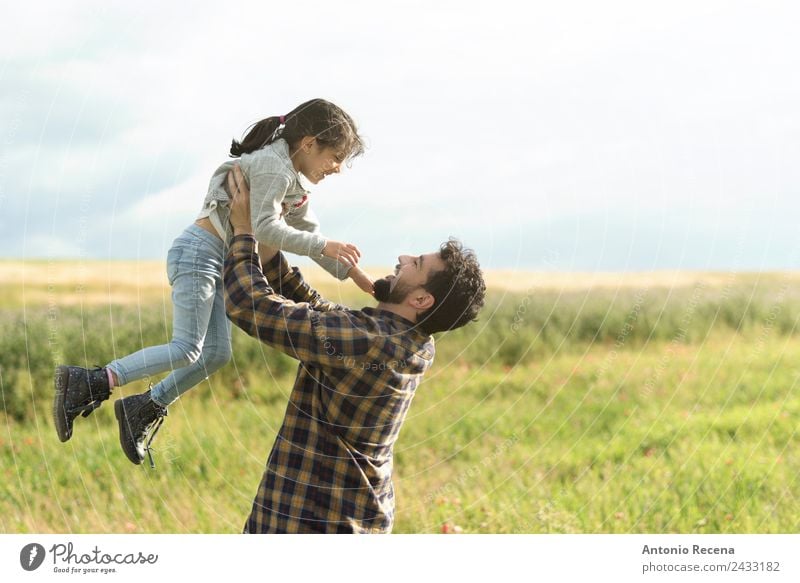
[(79, 391), (139, 419)]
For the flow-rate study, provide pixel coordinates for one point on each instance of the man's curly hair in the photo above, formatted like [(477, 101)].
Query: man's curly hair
[(458, 290)]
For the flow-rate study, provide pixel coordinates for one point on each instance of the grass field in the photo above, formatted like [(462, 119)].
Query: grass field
[(588, 403)]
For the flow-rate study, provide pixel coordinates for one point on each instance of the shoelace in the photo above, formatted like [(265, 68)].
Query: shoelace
[(150, 434)]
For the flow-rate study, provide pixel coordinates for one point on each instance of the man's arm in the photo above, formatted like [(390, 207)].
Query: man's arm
[(288, 281), (328, 338)]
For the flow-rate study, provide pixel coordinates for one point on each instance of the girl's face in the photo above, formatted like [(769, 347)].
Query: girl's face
[(316, 161)]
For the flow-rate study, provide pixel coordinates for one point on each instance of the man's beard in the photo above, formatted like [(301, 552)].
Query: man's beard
[(385, 293)]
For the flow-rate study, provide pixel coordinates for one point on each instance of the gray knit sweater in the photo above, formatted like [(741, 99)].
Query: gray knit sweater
[(278, 205)]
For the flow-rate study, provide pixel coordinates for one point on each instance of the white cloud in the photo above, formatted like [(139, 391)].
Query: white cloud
[(181, 200), (495, 114)]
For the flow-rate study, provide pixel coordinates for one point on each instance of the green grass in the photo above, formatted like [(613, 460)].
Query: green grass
[(633, 410), (551, 447)]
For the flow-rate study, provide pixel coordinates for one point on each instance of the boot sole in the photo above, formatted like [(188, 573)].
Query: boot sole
[(119, 413), (63, 426)]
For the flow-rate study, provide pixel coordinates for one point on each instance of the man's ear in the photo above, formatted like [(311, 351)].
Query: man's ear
[(421, 300)]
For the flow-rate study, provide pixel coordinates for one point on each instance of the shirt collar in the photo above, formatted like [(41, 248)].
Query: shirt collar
[(405, 322)]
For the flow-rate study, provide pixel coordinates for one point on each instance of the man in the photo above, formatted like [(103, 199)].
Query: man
[(330, 469)]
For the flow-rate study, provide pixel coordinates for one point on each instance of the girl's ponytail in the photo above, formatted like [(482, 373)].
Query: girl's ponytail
[(257, 136), (323, 120)]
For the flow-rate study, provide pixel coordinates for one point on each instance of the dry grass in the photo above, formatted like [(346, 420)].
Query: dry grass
[(65, 283)]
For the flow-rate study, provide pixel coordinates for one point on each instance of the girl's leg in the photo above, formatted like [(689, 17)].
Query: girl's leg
[(196, 280), (194, 268), (215, 354)]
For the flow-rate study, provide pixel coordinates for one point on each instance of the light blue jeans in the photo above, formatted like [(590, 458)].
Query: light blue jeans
[(201, 332)]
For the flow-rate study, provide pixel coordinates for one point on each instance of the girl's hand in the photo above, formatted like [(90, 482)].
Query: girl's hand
[(346, 252), (240, 202), (362, 280)]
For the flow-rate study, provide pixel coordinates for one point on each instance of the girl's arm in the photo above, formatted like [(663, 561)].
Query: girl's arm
[(267, 192), (361, 279), (304, 219), (307, 220)]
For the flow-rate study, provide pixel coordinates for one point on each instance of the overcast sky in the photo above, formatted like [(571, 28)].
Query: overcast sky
[(609, 136)]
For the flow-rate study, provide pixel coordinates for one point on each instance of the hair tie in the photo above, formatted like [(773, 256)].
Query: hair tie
[(282, 119)]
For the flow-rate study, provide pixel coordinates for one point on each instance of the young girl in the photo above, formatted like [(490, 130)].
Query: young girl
[(313, 140)]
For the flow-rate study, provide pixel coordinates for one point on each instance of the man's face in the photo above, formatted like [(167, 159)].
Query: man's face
[(410, 274)]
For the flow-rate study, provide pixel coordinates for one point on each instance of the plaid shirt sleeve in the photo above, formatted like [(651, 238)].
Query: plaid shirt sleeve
[(289, 283), (298, 329)]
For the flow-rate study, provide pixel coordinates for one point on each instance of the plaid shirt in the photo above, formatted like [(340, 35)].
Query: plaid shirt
[(330, 469)]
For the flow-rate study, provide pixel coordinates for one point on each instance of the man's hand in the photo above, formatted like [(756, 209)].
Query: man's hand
[(240, 202), (361, 279)]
